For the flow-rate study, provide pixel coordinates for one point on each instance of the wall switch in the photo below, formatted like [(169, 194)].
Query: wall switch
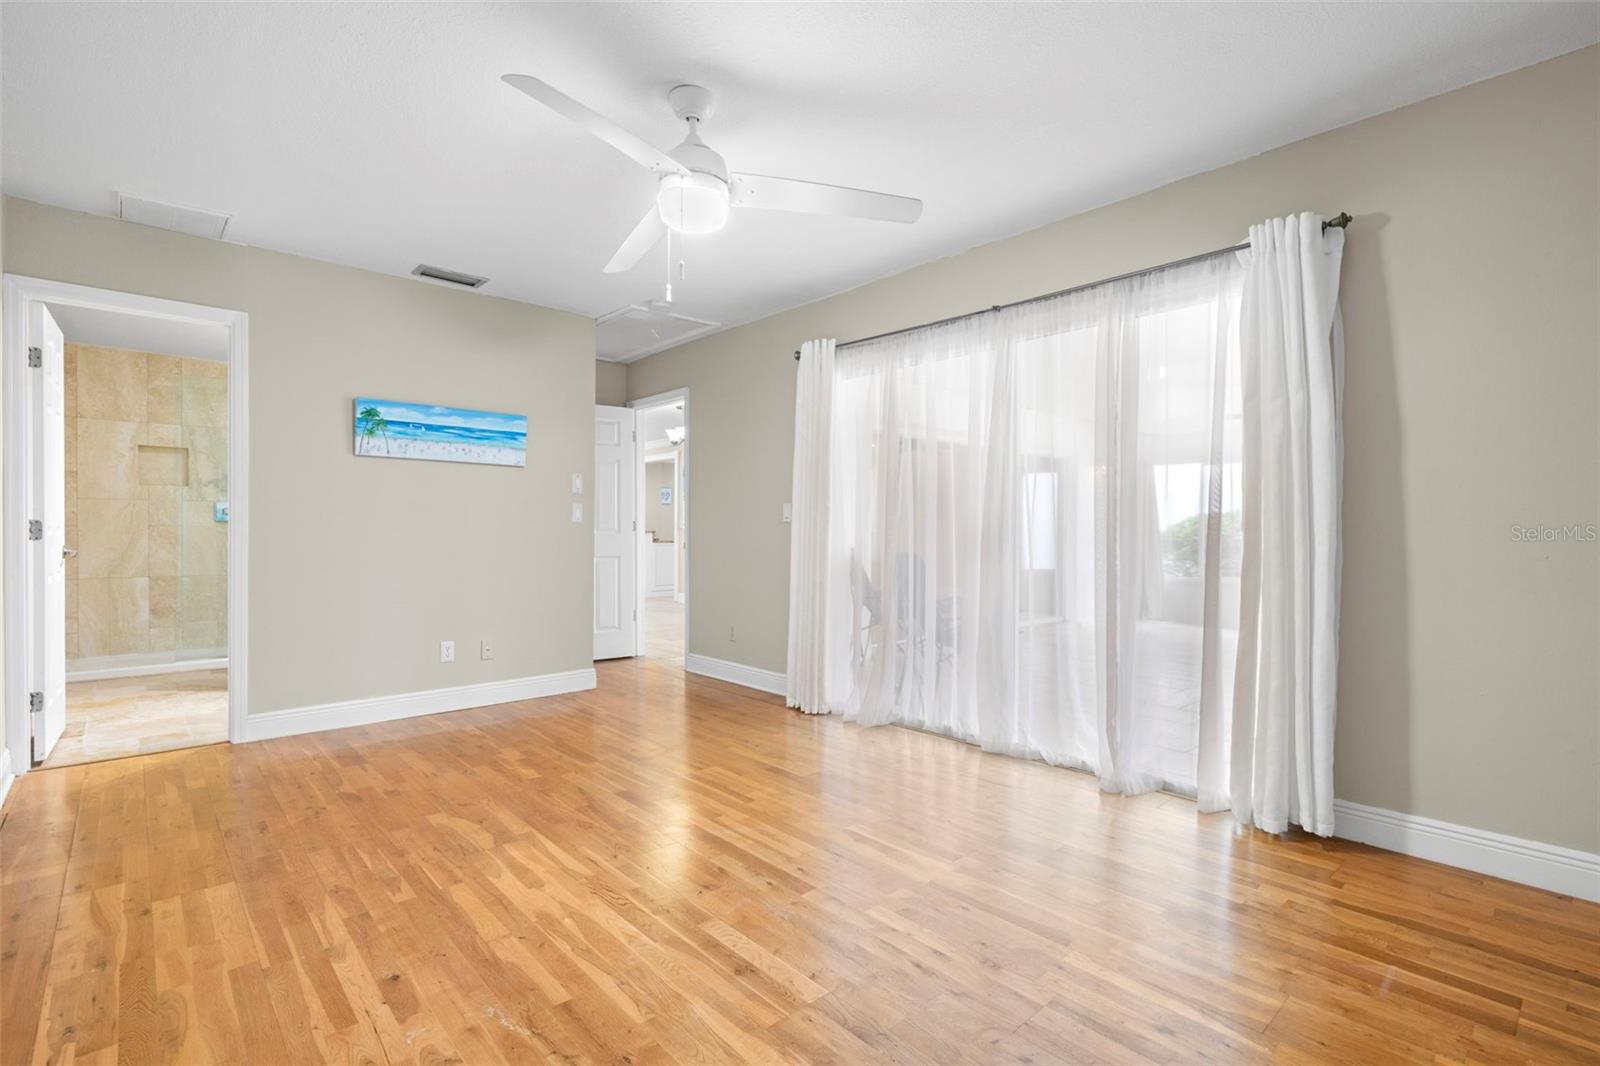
[(485, 650), (731, 637), (788, 512), (447, 651), (577, 484), (577, 512)]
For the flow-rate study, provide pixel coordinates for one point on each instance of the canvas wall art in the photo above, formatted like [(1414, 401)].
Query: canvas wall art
[(389, 429)]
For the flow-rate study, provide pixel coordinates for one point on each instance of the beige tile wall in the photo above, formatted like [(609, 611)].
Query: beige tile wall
[(147, 457)]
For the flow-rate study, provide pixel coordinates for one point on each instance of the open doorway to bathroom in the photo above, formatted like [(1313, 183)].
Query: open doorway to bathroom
[(663, 526), (146, 501), (125, 600)]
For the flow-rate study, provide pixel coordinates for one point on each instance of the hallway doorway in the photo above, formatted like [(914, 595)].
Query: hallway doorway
[(662, 423)]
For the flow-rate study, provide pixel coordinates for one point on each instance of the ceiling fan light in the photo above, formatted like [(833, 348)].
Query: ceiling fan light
[(693, 202)]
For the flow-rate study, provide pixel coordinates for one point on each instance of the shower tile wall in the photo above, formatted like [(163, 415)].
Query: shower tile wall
[(147, 459)]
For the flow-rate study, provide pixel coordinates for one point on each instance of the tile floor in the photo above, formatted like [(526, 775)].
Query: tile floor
[(135, 715)]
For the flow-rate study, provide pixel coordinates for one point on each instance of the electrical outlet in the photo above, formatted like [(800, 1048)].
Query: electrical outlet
[(577, 512), (731, 637), (485, 650), (788, 512), (447, 651)]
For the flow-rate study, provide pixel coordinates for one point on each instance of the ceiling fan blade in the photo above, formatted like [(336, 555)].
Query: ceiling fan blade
[(633, 147), (789, 194), (641, 240)]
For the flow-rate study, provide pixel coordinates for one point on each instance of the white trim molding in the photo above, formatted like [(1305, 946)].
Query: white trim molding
[(7, 776), (111, 666), (374, 709), (1527, 862), (736, 673)]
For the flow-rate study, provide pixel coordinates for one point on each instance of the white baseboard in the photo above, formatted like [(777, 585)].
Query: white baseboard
[(375, 709), (7, 776), (1527, 862), (737, 673), (111, 666)]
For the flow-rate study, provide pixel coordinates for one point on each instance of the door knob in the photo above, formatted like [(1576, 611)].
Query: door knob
[(69, 553)]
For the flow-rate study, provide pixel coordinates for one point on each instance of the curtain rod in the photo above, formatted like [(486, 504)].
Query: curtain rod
[(1339, 221)]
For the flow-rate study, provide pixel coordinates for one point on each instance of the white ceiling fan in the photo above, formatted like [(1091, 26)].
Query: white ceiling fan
[(696, 190)]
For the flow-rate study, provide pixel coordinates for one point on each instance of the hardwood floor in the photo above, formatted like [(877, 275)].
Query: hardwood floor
[(675, 869)]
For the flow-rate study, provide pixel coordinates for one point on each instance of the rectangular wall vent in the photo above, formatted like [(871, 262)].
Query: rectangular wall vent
[(450, 277), (190, 220)]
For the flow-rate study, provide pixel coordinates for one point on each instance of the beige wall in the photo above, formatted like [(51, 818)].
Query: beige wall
[(610, 383), (1468, 681), (146, 462), (360, 566), (5, 751)]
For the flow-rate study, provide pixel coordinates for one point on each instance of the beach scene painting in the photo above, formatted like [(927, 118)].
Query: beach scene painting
[(393, 430)]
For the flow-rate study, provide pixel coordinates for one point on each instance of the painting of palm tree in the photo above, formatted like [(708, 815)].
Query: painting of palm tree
[(395, 430), (371, 424)]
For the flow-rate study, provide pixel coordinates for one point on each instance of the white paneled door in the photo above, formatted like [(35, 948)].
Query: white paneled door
[(47, 591), (616, 552)]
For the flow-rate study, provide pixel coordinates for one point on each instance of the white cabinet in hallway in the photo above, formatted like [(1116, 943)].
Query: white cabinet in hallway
[(663, 568)]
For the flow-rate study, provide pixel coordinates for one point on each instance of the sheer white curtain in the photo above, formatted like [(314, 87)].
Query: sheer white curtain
[(808, 530), (1041, 523), (1034, 529), (1293, 353)]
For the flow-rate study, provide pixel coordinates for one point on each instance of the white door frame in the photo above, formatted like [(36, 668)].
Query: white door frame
[(685, 468), (20, 293)]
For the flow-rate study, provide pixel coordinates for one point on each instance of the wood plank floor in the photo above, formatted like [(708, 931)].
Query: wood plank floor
[(672, 869)]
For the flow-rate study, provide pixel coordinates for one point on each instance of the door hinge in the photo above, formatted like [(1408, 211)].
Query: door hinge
[(35, 529), (35, 357), (35, 702)]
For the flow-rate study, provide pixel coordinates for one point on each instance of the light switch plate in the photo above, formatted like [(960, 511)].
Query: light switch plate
[(577, 512), (447, 651), (788, 512), (485, 650), (577, 484)]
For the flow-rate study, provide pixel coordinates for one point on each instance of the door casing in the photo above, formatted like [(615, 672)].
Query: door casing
[(19, 294)]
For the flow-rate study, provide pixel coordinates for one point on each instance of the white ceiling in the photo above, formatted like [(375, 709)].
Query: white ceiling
[(139, 333), (379, 135)]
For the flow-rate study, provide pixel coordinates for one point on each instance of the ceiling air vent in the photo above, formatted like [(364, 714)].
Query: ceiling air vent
[(450, 277), (190, 220)]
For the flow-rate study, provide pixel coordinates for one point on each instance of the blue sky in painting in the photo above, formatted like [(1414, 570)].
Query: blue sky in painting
[(457, 417)]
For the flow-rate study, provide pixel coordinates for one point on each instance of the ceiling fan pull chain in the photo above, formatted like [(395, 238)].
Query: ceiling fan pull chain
[(669, 266)]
